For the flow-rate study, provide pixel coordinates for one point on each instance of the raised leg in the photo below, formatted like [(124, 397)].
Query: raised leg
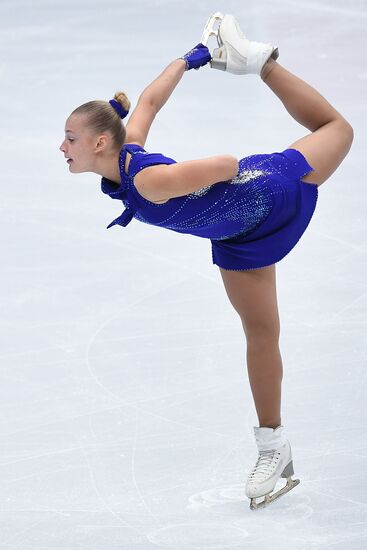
[(253, 295), (331, 137)]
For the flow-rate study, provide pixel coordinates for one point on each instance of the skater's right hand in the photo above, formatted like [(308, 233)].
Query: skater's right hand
[(197, 57)]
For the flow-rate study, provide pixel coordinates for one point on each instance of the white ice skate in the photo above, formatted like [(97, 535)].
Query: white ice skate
[(274, 461), (236, 54)]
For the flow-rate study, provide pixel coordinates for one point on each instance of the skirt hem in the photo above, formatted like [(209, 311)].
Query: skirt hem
[(259, 249)]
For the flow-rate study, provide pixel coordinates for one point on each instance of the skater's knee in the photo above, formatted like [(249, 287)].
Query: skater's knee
[(325, 149), (348, 132), (261, 331), (345, 132)]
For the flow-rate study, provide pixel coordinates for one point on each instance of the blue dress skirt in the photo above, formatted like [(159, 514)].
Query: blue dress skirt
[(293, 207)]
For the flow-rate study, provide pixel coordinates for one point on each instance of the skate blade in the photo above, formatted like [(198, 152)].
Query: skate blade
[(268, 499), (209, 29)]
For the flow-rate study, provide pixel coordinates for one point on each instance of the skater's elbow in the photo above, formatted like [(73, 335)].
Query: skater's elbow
[(231, 166), (221, 168)]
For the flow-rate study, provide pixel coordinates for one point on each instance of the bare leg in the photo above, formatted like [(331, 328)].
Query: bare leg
[(331, 136), (253, 295), (253, 292), (265, 371)]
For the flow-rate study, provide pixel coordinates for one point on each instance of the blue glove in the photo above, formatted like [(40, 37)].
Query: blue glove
[(197, 57)]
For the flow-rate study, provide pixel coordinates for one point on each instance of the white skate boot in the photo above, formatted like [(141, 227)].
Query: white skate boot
[(236, 54), (275, 461)]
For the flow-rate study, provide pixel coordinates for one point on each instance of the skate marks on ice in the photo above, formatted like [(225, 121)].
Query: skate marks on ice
[(221, 497), (232, 529), (198, 536), (217, 496)]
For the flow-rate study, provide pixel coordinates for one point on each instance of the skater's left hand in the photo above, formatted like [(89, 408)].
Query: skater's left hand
[(197, 57)]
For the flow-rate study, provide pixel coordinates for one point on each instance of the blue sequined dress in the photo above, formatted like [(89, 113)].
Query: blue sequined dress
[(252, 221)]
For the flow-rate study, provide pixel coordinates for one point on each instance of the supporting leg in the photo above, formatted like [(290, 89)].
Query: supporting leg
[(265, 372), (253, 295)]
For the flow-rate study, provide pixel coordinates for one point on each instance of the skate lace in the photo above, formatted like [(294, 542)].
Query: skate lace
[(262, 468)]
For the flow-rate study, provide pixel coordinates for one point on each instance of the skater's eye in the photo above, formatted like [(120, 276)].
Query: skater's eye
[(70, 139)]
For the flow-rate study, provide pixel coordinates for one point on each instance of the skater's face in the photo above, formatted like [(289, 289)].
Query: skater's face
[(81, 147)]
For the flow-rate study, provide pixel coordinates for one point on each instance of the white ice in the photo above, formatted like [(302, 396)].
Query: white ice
[(126, 413)]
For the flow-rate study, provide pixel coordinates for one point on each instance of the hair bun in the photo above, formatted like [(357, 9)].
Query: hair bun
[(121, 104), (122, 98), (118, 108)]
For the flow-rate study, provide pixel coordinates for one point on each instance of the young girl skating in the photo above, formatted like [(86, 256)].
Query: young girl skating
[(253, 210)]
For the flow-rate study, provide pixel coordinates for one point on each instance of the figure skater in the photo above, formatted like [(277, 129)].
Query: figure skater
[(254, 211)]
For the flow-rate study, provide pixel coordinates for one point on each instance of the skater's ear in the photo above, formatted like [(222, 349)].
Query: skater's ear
[(102, 142)]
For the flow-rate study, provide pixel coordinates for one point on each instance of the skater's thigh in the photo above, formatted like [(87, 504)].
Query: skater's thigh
[(252, 293), (325, 149)]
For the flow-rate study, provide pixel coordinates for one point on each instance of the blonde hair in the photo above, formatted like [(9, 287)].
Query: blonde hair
[(102, 117)]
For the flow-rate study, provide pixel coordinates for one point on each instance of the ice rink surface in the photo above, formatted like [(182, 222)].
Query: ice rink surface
[(126, 413)]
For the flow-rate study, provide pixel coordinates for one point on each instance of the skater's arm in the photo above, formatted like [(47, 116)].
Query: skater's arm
[(162, 87), (163, 182), (157, 93), (152, 100)]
